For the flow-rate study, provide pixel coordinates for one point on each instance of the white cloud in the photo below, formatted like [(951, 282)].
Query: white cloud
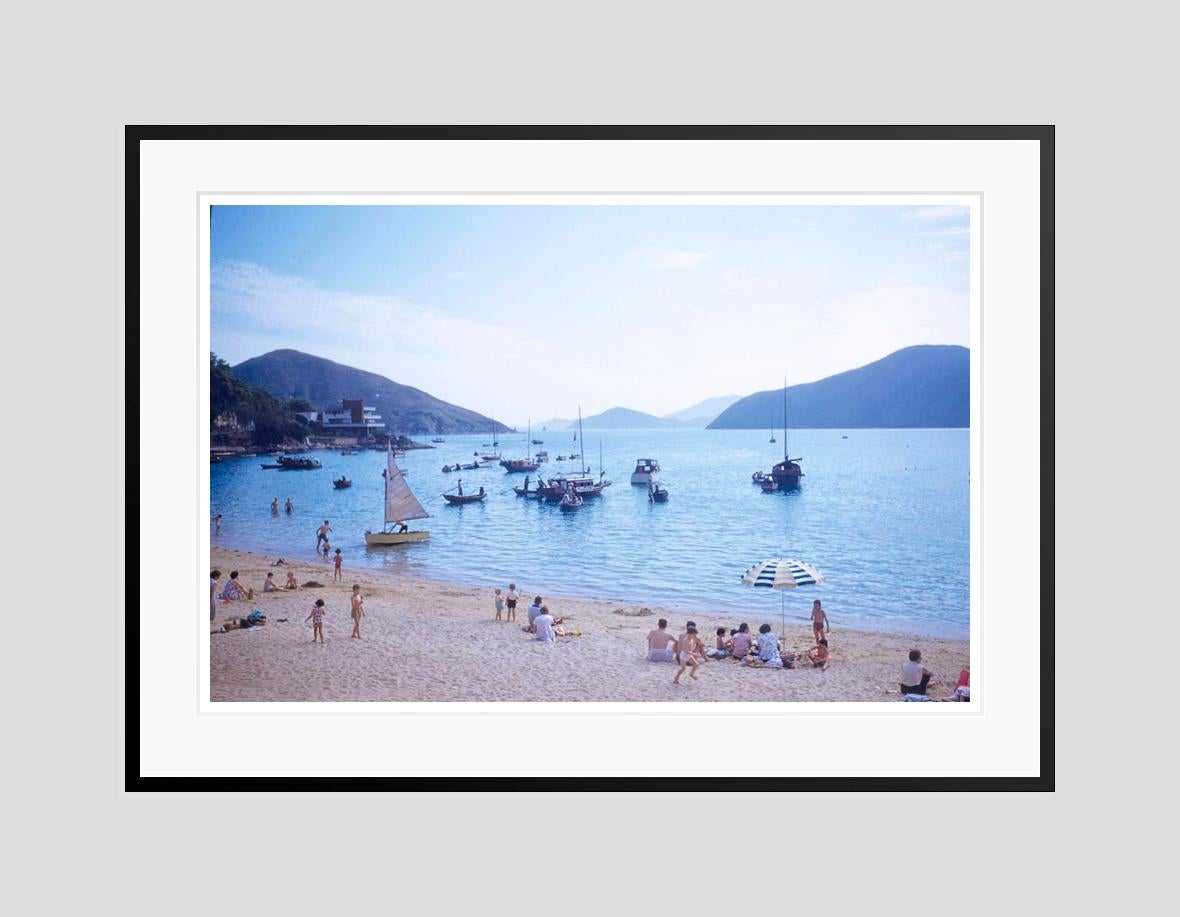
[(671, 259), (937, 214)]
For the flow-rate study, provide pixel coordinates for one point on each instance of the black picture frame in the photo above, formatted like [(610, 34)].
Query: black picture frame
[(1043, 135)]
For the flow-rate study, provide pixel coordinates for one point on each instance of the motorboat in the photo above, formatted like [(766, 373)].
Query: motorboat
[(646, 471)]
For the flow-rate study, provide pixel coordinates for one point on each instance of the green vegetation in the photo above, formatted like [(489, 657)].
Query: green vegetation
[(234, 405)]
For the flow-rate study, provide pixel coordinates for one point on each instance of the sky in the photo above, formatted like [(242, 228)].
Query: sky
[(530, 311)]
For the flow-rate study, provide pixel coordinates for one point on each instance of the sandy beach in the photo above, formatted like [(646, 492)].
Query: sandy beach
[(430, 641)]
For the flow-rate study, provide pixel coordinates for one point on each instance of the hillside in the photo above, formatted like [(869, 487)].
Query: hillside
[(290, 374), (704, 412), (923, 386), (623, 419)]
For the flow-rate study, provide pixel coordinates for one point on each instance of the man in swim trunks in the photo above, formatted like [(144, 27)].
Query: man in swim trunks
[(321, 534), (659, 643)]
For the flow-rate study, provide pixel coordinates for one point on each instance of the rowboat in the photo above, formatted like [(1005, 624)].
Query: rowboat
[(570, 502), (657, 494), (460, 499), (342, 483)]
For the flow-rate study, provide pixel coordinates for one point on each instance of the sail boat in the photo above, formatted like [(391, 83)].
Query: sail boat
[(494, 456), (786, 474), (772, 439), (582, 484), (522, 464), (400, 506)]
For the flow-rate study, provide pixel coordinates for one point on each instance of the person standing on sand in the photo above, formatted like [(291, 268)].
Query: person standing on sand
[(686, 648), (659, 643), (213, 578), (513, 597), (499, 606), (316, 617), (336, 575), (321, 534), (358, 610), (819, 621)]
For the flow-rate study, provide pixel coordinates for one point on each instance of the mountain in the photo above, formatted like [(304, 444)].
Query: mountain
[(702, 413), (290, 374), (623, 419), (923, 386)]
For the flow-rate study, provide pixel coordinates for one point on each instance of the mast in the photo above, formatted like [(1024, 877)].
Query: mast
[(585, 470), (529, 440), (785, 451)]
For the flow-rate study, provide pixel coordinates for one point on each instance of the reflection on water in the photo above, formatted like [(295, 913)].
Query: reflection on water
[(883, 513)]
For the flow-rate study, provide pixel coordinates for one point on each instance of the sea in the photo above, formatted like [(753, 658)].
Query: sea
[(883, 514)]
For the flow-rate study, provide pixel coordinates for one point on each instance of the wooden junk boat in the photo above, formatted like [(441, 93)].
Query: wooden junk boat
[(400, 506), (286, 463), (461, 498), (786, 474)]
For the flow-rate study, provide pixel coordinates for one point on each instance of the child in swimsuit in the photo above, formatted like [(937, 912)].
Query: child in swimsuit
[(687, 647), (499, 605), (819, 655), (358, 610), (819, 621), (336, 574), (316, 617)]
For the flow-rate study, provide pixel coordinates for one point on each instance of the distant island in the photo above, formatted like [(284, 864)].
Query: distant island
[(922, 386), (623, 419), (704, 412), (291, 374)]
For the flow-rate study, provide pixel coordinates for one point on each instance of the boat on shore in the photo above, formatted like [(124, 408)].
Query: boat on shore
[(401, 506), (646, 471)]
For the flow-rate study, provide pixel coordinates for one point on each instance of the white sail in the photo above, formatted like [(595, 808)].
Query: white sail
[(400, 503)]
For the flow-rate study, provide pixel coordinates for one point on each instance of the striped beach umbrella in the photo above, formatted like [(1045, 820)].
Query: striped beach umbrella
[(782, 573)]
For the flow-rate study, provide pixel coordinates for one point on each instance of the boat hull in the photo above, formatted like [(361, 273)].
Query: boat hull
[(455, 500), (381, 539)]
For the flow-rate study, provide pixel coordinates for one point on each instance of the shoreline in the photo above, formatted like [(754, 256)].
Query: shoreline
[(427, 640)]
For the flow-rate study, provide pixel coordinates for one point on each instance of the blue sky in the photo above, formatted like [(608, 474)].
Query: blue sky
[(529, 311)]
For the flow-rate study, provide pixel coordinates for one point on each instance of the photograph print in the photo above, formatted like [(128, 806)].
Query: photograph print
[(634, 452)]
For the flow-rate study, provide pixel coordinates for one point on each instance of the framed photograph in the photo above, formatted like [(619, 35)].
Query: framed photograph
[(590, 458)]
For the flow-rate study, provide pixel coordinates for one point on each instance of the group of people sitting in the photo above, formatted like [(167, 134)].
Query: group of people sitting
[(272, 586), (542, 624), (763, 651)]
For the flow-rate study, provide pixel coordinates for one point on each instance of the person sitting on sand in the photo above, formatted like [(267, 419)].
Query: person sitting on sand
[(687, 646), (915, 678), (659, 643), (962, 687), (721, 649), (740, 645), (543, 625), (291, 583), (819, 655), (768, 651), (234, 590), (270, 585), (534, 609)]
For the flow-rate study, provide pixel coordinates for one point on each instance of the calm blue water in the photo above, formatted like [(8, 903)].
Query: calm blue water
[(883, 514)]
